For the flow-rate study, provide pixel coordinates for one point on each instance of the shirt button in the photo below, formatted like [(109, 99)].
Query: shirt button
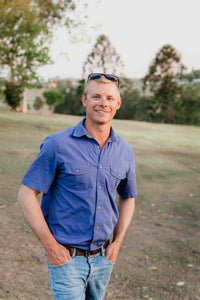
[(101, 167), (77, 171), (119, 175), (97, 147), (92, 245), (99, 207), (99, 187), (97, 227)]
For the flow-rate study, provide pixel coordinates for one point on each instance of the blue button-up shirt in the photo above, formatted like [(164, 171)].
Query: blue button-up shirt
[(79, 182)]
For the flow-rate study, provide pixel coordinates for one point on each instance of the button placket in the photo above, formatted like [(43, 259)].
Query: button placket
[(98, 218)]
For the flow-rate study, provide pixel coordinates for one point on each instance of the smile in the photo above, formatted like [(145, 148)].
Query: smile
[(101, 111)]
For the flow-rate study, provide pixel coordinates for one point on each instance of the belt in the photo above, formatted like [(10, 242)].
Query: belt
[(81, 252)]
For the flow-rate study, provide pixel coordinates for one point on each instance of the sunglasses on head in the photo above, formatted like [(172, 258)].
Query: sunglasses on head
[(111, 77)]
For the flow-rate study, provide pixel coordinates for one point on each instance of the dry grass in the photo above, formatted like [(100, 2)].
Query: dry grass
[(161, 247)]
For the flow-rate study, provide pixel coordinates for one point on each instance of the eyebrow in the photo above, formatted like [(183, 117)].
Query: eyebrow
[(97, 94)]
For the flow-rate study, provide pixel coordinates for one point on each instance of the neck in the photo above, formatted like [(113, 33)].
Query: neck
[(100, 133)]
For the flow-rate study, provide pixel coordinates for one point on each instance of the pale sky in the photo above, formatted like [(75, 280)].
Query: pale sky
[(137, 29)]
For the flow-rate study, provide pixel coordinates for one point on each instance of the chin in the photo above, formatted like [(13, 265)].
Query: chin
[(101, 121)]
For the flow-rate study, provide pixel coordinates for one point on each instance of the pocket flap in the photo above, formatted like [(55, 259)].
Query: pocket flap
[(117, 174), (76, 168)]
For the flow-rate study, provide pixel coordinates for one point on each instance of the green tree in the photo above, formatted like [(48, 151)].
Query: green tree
[(38, 103), (195, 74), (129, 95), (188, 109), (53, 97), (13, 94), (164, 81), (26, 27), (72, 94), (103, 58), (135, 106)]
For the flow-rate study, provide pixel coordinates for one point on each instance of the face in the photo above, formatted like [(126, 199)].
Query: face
[(101, 101)]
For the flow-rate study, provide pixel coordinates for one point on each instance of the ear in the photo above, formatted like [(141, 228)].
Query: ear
[(84, 100), (119, 103)]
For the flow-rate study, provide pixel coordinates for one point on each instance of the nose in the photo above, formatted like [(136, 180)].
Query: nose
[(103, 101)]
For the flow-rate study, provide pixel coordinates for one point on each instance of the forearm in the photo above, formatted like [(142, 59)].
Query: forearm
[(27, 200), (126, 209)]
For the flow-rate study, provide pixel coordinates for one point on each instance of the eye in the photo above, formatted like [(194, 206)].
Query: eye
[(110, 98), (95, 96)]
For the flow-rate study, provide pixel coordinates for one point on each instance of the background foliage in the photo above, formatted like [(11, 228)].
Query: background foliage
[(103, 58), (26, 27), (137, 105), (165, 95), (169, 95)]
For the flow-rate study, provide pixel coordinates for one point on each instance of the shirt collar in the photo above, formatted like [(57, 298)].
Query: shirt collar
[(79, 131)]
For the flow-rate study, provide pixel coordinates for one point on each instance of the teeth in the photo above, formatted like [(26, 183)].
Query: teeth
[(101, 112)]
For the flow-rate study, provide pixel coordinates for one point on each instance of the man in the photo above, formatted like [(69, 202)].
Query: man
[(78, 171)]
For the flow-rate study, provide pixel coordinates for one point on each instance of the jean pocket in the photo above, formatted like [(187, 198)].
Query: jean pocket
[(56, 266), (112, 264), (59, 266)]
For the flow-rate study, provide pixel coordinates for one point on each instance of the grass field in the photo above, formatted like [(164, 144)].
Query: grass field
[(160, 256)]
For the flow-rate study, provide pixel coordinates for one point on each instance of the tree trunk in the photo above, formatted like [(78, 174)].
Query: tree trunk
[(24, 101)]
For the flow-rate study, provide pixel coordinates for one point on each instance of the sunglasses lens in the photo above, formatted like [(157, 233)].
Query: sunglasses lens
[(111, 77), (95, 76)]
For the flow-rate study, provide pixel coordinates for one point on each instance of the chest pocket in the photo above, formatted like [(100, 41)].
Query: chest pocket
[(77, 175), (116, 176)]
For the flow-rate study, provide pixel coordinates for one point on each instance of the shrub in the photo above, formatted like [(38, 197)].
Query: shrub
[(13, 94), (53, 97), (38, 104)]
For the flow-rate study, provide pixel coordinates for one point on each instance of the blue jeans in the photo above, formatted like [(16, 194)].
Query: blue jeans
[(80, 278)]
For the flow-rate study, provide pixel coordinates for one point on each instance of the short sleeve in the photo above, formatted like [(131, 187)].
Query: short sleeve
[(41, 173), (127, 187)]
